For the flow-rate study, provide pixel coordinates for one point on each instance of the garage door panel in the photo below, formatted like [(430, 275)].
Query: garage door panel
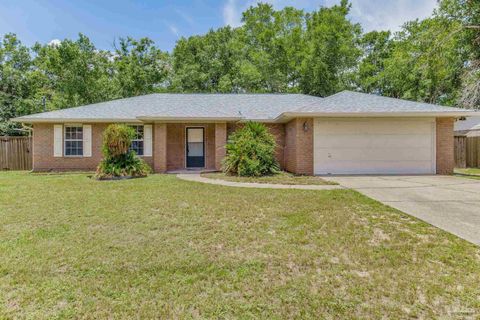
[(384, 154), (391, 141), (390, 127), (374, 146), (376, 167)]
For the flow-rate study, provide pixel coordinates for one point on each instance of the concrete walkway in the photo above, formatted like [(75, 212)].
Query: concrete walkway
[(197, 178), (448, 202)]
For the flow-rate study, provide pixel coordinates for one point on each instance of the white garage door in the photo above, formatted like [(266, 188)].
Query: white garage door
[(374, 146)]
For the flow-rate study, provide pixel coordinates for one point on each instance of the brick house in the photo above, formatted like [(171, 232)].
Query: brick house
[(346, 133)]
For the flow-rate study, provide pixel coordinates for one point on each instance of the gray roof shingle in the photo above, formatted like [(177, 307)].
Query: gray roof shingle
[(247, 106), (472, 123), (356, 102), (267, 107)]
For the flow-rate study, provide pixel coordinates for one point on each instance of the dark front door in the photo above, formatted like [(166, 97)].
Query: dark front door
[(195, 145)]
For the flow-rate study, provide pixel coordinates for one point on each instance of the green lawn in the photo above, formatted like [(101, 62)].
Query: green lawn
[(280, 178), (159, 247), (473, 173)]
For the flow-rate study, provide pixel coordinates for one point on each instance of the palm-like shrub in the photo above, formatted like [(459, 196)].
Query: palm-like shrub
[(117, 139), (251, 152), (118, 160)]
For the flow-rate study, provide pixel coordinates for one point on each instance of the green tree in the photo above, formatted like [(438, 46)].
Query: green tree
[(16, 84), (467, 14), (426, 63), (74, 73), (206, 63), (140, 67), (274, 46), (332, 50), (263, 55), (376, 47)]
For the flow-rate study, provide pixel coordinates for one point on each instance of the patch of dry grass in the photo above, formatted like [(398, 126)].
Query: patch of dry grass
[(159, 247), (280, 178)]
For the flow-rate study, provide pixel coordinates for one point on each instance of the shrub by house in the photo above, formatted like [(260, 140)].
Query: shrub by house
[(118, 160), (251, 152)]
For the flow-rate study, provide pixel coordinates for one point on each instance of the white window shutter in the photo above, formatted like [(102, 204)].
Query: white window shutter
[(147, 140), (57, 140), (87, 140)]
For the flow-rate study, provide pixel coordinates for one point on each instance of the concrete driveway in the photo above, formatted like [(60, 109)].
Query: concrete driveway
[(448, 202)]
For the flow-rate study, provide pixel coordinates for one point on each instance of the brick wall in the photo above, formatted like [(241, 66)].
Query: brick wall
[(445, 145), (43, 159), (168, 148), (299, 146), (210, 149), (176, 145), (290, 159), (160, 147), (294, 147), (220, 141)]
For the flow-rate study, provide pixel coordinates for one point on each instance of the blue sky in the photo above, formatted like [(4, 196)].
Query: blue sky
[(103, 21)]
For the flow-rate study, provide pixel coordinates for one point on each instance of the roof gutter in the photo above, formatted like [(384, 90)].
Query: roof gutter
[(140, 119), (187, 119), (71, 120), (283, 117)]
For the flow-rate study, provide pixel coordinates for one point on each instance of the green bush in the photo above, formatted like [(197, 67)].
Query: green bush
[(251, 152), (118, 160), (117, 139)]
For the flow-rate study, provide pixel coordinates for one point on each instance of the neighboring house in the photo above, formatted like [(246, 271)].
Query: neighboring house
[(469, 127), (346, 133)]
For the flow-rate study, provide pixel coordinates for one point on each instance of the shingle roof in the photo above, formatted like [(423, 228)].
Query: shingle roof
[(267, 107), (168, 105), (472, 123), (356, 102)]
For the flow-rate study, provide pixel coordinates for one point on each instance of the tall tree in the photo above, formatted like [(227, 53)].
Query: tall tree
[(263, 55), (206, 63), (274, 46), (467, 14), (74, 72), (426, 62), (16, 85), (376, 47), (332, 50), (140, 67)]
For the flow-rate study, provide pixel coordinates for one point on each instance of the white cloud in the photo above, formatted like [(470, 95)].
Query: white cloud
[(173, 29), (55, 42), (232, 13), (371, 14), (389, 15)]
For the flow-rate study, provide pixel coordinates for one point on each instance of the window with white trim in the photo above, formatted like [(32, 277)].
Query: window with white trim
[(137, 141), (73, 140)]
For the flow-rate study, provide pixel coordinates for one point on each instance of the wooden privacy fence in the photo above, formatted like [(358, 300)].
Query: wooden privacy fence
[(15, 153), (467, 152)]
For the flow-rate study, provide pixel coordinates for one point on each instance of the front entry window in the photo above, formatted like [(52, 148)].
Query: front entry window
[(195, 148)]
